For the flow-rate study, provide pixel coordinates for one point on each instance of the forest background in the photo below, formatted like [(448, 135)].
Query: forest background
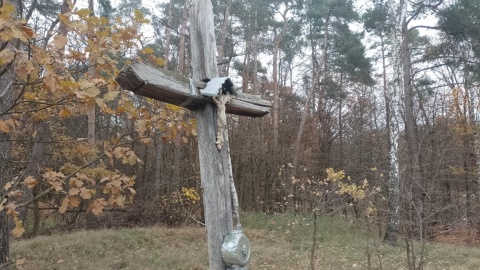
[(370, 119)]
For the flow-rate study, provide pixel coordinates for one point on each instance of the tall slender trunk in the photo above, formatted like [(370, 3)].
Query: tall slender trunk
[(255, 53), (168, 35), (177, 161), (411, 138), (222, 39), (7, 99), (34, 168), (181, 48), (276, 99), (316, 71), (41, 137), (246, 66), (157, 183), (394, 183), (91, 114)]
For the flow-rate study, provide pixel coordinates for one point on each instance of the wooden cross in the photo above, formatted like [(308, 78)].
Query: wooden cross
[(171, 88)]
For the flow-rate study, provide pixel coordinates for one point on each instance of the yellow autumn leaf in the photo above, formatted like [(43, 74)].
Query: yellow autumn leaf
[(20, 262), (160, 62), (120, 109), (120, 200), (2, 204), (147, 141), (7, 186), (65, 18), (50, 81), (18, 230), (7, 11), (73, 191), (6, 56), (53, 176), (110, 96), (132, 159), (85, 193), (17, 33), (99, 102), (80, 26), (92, 91), (4, 127), (173, 108), (138, 15), (83, 12), (65, 113), (59, 42), (118, 152), (64, 206), (74, 201), (82, 149), (116, 183), (96, 207), (30, 182), (29, 96), (148, 50), (140, 127)]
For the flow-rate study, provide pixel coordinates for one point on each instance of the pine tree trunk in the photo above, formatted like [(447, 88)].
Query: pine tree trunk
[(276, 99), (168, 35), (222, 39), (91, 114), (181, 48), (157, 183)]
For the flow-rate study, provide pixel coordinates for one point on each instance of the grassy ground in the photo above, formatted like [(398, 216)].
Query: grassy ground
[(278, 242)]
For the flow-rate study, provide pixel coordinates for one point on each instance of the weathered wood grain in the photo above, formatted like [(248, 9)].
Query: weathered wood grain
[(160, 84), (213, 173)]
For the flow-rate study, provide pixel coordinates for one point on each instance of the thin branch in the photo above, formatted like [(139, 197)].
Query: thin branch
[(424, 26), (190, 215), (6, 112), (420, 9), (164, 23), (45, 192), (5, 68), (30, 10)]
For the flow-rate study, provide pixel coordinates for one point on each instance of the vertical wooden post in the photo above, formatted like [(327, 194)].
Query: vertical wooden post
[(215, 165), (216, 187)]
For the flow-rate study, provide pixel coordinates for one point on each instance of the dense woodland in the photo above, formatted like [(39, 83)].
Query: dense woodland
[(374, 113)]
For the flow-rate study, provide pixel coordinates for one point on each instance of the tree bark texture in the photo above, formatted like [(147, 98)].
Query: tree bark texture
[(7, 99), (277, 41), (157, 184), (168, 35), (222, 39), (91, 114), (7, 92), (394, 183), (181, 48), (317, 70)]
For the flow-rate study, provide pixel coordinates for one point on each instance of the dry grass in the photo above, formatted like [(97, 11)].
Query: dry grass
[(278, 242)]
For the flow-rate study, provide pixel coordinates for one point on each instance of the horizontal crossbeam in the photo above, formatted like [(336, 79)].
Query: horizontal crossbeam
[(162, 85)]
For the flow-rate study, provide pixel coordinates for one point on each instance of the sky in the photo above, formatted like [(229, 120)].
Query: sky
[(360, 5)]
